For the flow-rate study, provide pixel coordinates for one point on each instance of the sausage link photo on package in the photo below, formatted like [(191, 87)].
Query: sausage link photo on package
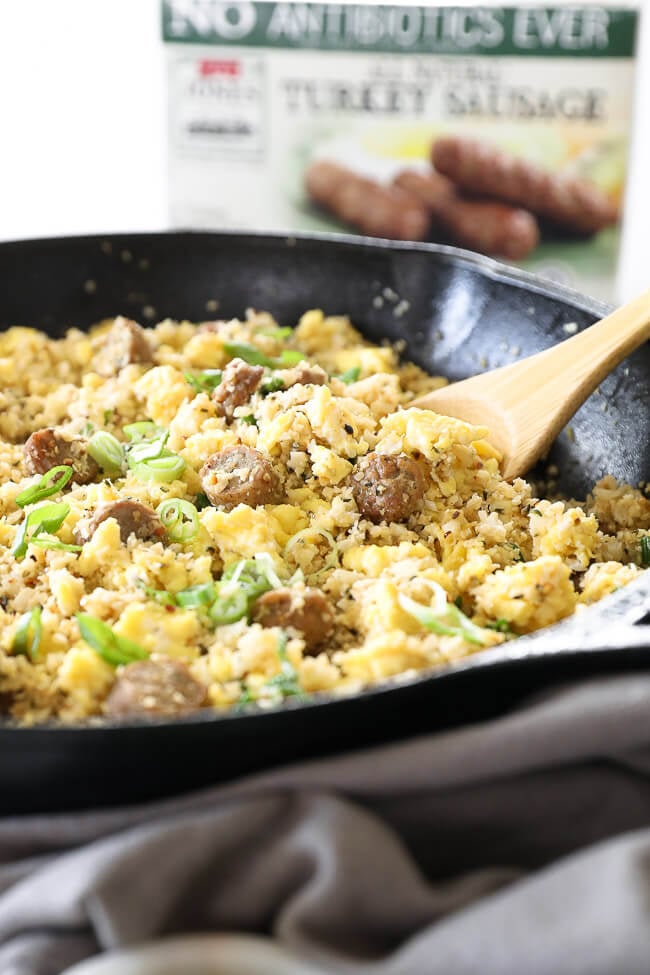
[(501, 129)]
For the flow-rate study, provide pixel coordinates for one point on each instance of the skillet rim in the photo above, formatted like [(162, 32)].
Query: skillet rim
[(538, 646)]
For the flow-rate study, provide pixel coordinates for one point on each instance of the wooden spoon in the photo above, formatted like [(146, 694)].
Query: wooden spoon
[(526, 404)]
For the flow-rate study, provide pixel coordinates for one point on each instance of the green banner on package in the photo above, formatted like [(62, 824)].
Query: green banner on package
[(562, 31)]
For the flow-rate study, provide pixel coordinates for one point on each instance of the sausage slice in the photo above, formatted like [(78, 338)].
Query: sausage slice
[(238, 383), (303, 373), (155, 687), (125, 342), (240, 475), (388, 487), (133, 518), (47, 448), (306, 610)]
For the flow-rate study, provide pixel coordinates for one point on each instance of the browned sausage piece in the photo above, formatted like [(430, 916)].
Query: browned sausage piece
[(47, 448), (133, 518), (483, 169), (303, 373), (125, 342), (155, 687), (388, 487), (306, 610), (240, 475), (375, 210), (482, 225), (238, 383)]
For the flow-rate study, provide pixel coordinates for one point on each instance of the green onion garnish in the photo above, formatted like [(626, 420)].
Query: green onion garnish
[(162, 470), (50, 483), (501, 626), (147, 449), (54, 543), (201, 501), (332, 559), (200, 596), (144, 430), (114, 649), (249, 419), (251, 355), (442, 617), (272, 385), (286, 683), (180, 518), (48, 518), (254, 357), (230, 607), (27, 637), (645, 550), (107, 451), (108, 415), (276, 333), (158, 595), (350, 375), (205, 381)]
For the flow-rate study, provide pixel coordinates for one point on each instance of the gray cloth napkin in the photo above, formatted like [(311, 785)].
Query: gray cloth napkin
[(520, 845)]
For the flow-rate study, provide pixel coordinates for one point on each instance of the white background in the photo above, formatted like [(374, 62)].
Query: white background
[(82, 123)]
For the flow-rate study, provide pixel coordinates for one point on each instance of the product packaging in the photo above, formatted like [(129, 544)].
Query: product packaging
[(502, 129)]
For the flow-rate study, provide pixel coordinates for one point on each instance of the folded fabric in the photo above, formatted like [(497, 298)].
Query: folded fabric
[(519, 845)]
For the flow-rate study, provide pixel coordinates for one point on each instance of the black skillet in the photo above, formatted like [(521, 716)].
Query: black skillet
[(458, 314)]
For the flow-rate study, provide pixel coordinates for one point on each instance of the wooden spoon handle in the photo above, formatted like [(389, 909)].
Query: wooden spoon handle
[(588, 357)]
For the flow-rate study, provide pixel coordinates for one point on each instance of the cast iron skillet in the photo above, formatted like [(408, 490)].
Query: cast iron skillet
[(458, 313)]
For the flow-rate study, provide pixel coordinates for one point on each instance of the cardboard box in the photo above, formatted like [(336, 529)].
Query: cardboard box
[(260, 92)]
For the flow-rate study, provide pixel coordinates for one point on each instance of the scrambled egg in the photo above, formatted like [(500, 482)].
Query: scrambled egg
[(472, 562)]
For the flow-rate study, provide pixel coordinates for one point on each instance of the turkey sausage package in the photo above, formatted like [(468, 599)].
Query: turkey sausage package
[(502, 129)]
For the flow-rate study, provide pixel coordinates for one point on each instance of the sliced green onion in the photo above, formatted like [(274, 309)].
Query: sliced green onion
[(144, 450), (114, 649), (48, 518), (645, 550), (350, 375), (276, 333), (27, 638), (255, 357), (160, 596), (107, 450), (201, 501), (180, 518), (501, 626), (249, 353), (144, 430), (264, 560), (205, 381), (443, 618), (249, 419), (54, 543), (197, 596), (272, 385), (286, 683), (247, 696), (230, 607), (108, 415), (290, 357), (50, 483), (332, 559), (250, 576), (162, 470)]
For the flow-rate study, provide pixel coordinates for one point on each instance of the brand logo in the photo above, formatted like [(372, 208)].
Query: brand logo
[(230, 21)]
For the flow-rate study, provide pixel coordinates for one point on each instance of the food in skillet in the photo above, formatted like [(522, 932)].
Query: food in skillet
[(231, 513)]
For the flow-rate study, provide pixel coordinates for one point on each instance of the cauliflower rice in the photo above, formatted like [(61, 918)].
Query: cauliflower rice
[(324, 591)]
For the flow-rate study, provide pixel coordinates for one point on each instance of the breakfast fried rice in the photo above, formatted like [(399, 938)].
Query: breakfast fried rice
[(232, 513)]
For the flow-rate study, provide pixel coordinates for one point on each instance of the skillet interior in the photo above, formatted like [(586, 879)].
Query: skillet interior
[(458, 314)]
